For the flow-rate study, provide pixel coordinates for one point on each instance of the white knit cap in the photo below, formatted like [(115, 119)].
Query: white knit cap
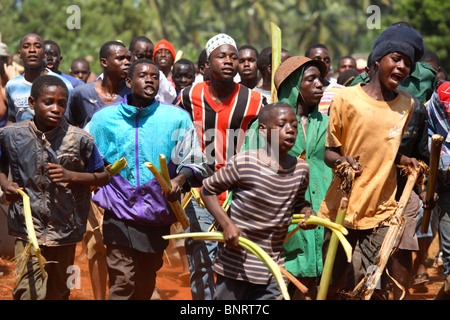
[(217, 41)]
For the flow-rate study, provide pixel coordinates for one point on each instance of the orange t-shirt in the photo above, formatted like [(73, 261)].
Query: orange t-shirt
[(372, 129)]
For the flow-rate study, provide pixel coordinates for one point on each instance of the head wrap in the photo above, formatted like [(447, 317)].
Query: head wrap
[(399, 38), (164, 44), (288, 77), (217, 41)]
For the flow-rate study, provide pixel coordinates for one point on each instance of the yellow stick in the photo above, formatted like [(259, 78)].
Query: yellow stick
[(331, 253), (175, 205), (435, 155), (114, 168), (276, 57), (31, 233), (246, 244)]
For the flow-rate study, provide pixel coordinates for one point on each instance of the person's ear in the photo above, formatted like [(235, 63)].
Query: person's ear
[(269, 68), (377, 65), (103, 62), (128, 82), (31, 102), (262, 130)]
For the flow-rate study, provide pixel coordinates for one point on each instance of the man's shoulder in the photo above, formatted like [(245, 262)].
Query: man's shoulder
[(74, 81), (17, 81), (84, 90), (173, 112), (67, 82)]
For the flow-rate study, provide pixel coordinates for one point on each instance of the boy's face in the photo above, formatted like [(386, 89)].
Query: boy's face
[(144, 82), (31, 51), (164, 59), (311, 86), (49, 107), (142, 50), (118, 62), (223, 63), (183, 76), (393, 68), (52, 57), (321, 54), (284, 122), (346, 64), (80, 70), (248, 69)]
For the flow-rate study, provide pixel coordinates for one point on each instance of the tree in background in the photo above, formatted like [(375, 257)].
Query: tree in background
[(188, 24)]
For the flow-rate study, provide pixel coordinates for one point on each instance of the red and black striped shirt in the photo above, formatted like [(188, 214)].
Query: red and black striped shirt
[(221, 127)]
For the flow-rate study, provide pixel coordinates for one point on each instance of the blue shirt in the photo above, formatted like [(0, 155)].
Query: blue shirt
[(17, 91)]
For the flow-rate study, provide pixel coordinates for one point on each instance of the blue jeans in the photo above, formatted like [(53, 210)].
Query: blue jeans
[(444, 229), (200, 254)]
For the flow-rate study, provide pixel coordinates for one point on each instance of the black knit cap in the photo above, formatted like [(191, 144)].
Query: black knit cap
[(399, 38)]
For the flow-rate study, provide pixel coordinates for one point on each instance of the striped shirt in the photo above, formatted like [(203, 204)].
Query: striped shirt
[(221, 127), (262, 207), (328, 94)]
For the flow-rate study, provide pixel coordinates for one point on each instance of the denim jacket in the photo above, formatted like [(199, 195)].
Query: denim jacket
[(59, 210)]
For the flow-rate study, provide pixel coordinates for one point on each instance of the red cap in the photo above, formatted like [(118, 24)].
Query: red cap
[(164, 44)]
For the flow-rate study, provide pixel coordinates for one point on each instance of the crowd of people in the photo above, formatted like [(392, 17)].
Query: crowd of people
[(224, 134)]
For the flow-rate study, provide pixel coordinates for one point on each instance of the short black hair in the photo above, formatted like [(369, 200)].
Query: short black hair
[(184, 61), (51, 42), (430, 56), (346, 57), (265, 114), (202, 57), (139, 39), (31, 33), (138, 62), (81, 60), (46, 81), (249, 46), (105, 50), (264, 59), (315, 46)]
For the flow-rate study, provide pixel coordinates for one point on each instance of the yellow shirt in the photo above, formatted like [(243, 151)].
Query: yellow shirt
[(362, 126)]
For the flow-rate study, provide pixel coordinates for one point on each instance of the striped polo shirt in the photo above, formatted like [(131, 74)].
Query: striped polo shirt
[(263, 203), (221, 127)]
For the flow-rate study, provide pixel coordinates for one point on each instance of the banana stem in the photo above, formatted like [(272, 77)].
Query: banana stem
[(331, 254), (246, 244)]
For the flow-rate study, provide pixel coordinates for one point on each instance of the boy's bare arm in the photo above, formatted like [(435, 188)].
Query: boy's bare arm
[(403, 160), (177, 187), (9, 188), (332, 158), (308, 212), (58, 173), (231, 232)]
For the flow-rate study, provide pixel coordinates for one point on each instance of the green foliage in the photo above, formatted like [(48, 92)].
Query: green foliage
[(188, 24)]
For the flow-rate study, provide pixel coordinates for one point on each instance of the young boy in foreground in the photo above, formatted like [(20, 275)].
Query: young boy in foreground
[(55, 164), (268, 188)]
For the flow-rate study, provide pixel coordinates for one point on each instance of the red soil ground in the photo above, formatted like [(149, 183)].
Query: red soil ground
[(171, 287)]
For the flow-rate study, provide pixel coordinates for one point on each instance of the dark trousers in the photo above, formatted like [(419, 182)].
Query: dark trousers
[(33, 286), (369, 242), (232, 289), (132, 273)]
